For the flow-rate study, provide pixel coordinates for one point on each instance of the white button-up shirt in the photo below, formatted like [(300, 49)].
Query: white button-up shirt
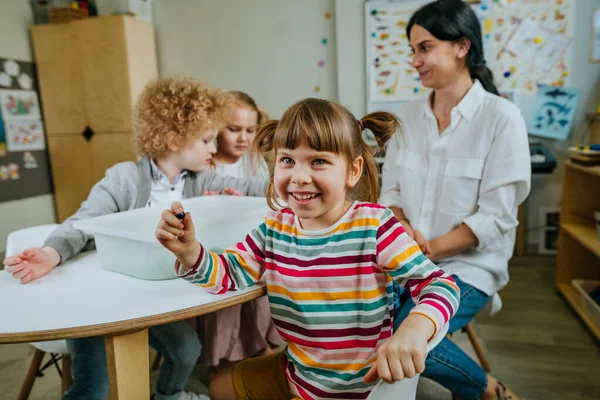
[(162, 192), (476, 172)]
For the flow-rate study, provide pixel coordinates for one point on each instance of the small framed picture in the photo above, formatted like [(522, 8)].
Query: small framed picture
[(511, 95)]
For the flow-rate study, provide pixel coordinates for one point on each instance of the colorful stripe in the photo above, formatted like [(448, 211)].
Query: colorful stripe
[(331, 294)]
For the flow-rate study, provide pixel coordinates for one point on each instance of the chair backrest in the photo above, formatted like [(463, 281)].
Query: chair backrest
[(406, 389), (22, 239)]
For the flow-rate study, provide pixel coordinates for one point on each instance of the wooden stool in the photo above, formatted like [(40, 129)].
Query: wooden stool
[(468, 329)]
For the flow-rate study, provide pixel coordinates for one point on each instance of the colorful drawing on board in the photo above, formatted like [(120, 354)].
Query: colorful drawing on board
[(25, 135), (554, 112), (19, 104), (29, 161), (13, 171), (4, 175)]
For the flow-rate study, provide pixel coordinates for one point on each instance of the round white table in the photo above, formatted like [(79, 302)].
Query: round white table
[(80, 299)]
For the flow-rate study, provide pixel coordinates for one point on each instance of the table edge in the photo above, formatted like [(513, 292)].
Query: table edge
[(131, 325)]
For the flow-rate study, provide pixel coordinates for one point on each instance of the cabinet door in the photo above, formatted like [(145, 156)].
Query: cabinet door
[(70, 158), (141, 50), (60, 80), (109, 149), (105, 72)]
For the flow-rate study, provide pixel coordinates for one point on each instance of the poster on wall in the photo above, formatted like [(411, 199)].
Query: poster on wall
[(554, 112), (24, 164), (19, 104), (389, 57), (526, 45), (25, 135)]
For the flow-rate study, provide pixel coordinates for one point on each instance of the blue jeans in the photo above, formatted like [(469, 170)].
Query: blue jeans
[(447, 364), (176, 342)]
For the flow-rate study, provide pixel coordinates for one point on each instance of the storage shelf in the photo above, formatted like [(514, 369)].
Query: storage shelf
[(588, 170), (584, 234), (572, 296)]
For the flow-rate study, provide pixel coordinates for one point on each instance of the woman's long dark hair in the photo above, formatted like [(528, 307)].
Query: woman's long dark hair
[(452, 20)]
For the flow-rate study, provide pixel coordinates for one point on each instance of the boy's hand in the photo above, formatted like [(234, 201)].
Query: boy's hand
[(32, 263), (403, 355), (178, 235)]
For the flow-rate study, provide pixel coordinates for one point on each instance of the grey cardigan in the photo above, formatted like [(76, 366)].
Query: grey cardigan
[(126, 186)]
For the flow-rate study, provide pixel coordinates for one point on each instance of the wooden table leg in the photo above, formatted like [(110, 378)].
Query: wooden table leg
[(127, 360)]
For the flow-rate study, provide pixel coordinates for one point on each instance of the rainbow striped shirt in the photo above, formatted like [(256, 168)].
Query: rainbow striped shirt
[(331, 291)]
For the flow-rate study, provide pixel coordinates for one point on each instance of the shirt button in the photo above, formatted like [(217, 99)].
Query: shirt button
[(172, 189)]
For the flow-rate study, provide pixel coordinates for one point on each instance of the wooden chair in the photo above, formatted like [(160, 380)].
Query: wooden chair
[(37, 370), (483, 361)]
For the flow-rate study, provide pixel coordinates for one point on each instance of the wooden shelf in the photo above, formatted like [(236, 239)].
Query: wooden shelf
[(588, 170), (584, 234), (592, 116), (572, 296)]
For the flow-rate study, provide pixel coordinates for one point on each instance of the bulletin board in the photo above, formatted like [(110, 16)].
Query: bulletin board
[(24, 167), (526, 45)]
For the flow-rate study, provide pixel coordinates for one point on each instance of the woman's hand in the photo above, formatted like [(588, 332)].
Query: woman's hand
[(416, 235)]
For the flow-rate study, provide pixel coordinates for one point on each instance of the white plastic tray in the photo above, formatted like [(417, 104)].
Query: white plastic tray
[(126, 241), (584, 288)]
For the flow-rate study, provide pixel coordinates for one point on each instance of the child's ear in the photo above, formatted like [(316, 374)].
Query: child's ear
[(356, 169), (173, 142)]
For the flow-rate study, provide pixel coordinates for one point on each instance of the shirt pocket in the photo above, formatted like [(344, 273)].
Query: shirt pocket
[(407, 164), (462, 178)]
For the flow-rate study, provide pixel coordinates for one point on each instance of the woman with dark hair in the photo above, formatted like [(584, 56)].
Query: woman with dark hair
[(456, 177)]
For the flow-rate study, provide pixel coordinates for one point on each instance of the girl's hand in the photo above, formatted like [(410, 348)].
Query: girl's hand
[(231, 192), (178, 235), (403, 355), (227, 191), (32, 263)]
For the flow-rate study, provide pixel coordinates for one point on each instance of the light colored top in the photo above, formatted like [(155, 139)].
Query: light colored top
[(162, 192), (330, 291), (477, 171), (82, 294), (244, 167)]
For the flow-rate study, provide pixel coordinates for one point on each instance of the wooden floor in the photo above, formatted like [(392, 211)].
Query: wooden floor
[(536, 345)]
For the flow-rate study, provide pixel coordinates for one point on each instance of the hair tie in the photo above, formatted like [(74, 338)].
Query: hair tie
[(360, 124)]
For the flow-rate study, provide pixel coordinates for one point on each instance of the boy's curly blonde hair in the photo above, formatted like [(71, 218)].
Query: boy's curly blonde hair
[(183, 106)]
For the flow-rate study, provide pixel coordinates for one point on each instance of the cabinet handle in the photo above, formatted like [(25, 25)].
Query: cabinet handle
[(87, 133)]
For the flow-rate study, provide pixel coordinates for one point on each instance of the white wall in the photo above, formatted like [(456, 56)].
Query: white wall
[(546, 190), (267, 48), (15, 19)]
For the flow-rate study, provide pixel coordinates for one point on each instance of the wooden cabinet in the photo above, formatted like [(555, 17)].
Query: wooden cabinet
[(578, 255), (90, 74)]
